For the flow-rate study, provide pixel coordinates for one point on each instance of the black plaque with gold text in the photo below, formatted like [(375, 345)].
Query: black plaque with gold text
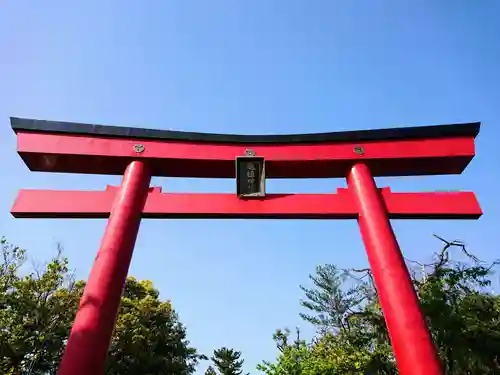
[(250, 176)]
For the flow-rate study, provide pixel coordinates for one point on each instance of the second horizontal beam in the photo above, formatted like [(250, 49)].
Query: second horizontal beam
[(341, 205)]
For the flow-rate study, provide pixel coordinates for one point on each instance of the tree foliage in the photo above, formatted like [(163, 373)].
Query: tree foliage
[(328, 354), (228, 361), (328, 303), (148, 338), (463, 316), (38, 304), (37, 310), (210, 371)]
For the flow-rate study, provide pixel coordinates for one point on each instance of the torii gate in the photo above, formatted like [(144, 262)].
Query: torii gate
[(139, 154)]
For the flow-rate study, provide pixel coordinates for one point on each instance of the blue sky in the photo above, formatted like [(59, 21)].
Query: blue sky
[(249, 67)]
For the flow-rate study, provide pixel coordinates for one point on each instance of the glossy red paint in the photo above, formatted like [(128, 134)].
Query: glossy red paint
[(342, 205), (105, 155), (138, 154), (88, 343), (411, 341)]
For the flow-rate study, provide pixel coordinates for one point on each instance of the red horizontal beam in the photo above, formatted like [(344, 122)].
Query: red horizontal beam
[(104, 155), (97, 204)]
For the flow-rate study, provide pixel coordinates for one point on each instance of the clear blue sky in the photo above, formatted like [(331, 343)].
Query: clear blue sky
[(249, 67)]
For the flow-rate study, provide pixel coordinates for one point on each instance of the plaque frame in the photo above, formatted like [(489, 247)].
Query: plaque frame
[(261, 176)]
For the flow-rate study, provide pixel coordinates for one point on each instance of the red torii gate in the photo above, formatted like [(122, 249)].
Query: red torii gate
[(139, 154)]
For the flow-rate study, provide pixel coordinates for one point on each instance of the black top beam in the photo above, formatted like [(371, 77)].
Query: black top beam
[(420, 132)]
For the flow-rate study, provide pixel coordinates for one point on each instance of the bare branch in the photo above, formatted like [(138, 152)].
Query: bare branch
[(457, 243)]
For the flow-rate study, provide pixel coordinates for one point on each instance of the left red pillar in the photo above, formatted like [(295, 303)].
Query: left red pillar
[(88, 343)]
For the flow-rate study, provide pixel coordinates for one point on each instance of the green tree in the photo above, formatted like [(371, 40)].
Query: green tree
[(328, 303), (148, 338), (463, 316), (294, 355), (329, 354), (37, 310), (210, 371), (228, 361)]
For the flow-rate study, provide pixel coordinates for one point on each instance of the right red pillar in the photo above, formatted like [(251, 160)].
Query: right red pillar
[(411, 341)]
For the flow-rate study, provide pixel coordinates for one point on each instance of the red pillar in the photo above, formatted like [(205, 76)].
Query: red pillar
[(412, 344), (88, 343)]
